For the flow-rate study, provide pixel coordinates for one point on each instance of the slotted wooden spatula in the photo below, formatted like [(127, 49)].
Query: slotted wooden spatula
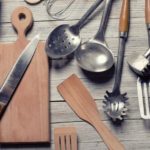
[(65, 138), (80, 100)]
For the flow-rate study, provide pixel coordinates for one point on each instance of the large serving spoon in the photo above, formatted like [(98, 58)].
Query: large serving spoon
[(115, 103), (65, 39), (94, 55), (80, 100)]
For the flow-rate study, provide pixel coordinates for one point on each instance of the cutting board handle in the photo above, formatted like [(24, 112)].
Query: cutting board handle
[(22, 21)]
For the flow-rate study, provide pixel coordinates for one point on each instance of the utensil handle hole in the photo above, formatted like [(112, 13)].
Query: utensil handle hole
[(22, 16)]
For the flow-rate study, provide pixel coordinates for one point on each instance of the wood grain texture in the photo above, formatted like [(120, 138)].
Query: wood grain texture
[(80, 100), (147, 11), (133, 132), (26, 119), (124, 16), (65, 138)]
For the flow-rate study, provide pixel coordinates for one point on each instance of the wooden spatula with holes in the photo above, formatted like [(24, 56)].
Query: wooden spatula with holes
[(65, 138), (80, 100)]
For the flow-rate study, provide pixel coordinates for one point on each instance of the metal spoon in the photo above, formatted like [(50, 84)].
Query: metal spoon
[(94, 55), (65, 39), (115, 105)]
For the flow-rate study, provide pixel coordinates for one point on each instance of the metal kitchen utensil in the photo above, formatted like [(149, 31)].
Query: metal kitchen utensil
[(14, 77), (32, 2), (143, 97), (94, 55), (143, 84), (65, 138), (140, 64), (59, 15), (80, 100), (65, 39), (115, 105)]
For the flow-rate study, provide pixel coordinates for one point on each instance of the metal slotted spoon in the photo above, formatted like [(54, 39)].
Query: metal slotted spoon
[(115, 105), (65, 39)]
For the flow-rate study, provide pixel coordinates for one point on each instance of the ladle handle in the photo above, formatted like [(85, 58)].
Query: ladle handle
[(123, 29), (104, 21), (87, 14), (124, 17)]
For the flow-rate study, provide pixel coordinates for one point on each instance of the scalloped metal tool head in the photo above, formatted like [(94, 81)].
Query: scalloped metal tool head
[(115, 105)]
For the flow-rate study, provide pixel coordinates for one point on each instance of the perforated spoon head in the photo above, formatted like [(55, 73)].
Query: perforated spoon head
[(62, 41)]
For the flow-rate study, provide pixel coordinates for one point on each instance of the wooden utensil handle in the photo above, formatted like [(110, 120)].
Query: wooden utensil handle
[(124, 17), (22, 20), (147, 11), (109, 139)]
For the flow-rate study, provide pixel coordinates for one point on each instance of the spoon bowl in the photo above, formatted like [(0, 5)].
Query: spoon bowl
[(62, 41), (94, 56), (65, 39)]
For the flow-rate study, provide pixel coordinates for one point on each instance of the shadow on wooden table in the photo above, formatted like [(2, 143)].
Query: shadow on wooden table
[(101, 77), (35, 145)]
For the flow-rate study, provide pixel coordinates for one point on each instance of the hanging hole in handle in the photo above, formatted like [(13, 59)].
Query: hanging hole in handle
[(22, 20), (22, 16)]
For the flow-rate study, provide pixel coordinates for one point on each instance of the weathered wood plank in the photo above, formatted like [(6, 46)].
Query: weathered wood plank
[(134, 132), (61, 112)]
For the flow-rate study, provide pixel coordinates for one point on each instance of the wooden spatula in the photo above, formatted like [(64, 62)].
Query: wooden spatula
[(65, 138), (80, 100)]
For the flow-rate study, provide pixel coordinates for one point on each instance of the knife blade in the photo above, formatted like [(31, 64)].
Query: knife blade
[(16, 73)]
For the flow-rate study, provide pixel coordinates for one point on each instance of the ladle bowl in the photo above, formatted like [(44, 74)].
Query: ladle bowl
[(94, 56)]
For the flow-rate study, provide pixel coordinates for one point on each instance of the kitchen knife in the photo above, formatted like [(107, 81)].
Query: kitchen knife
[(14, 77)]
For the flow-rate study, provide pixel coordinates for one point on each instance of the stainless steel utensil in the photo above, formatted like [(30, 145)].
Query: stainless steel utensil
[(143, 97), (59, 15), (33, 2), (65, 39), (115, 101), (143, 84), (14, 77), (140, 64), (94, 55)]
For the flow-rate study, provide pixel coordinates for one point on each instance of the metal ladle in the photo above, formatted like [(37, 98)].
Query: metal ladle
[(94, 55), (65, 39)]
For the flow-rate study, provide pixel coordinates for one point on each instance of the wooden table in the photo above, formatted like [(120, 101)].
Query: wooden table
[(134, 133)]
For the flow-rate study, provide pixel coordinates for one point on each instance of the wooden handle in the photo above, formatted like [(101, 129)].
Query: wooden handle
[(124, 17), (109, 139), (2, 105), (22, 20), (147, 11)]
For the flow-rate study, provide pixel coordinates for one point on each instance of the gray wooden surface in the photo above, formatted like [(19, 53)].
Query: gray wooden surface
[(134, 133)]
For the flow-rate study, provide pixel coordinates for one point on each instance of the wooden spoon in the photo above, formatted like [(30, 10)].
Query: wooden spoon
[(80, 100)]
